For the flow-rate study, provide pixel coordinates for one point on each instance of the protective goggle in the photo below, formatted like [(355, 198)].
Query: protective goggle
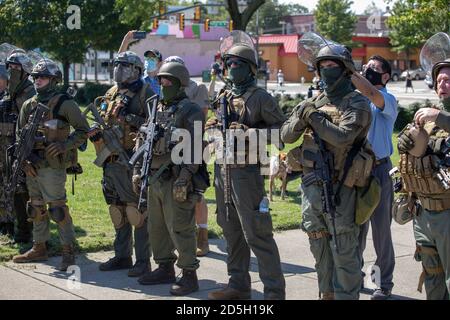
[(121, 63), (236, 61), (39, 77)]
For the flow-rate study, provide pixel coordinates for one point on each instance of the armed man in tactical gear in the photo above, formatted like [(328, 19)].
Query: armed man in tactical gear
[(20, 89), (240, 186), (424, 167), (172, 184), (123, 109), (333, 125), (54, 151)]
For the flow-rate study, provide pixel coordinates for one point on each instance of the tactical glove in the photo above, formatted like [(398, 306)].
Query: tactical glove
[(211, 123), (306, 110), (55, 149), (237, 126)]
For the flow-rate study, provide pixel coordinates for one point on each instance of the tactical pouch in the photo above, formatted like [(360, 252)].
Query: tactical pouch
[(402, 210), (294, 160), (367, 199), (361, 169), (310, 146), (200, 179), (7, 129)]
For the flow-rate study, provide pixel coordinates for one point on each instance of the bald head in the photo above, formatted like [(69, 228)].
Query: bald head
[(443, 83)]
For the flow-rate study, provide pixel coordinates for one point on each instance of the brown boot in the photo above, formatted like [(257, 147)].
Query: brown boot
[(327, 296), (68, 258), (229, 293), (186, 285), (202, 242), (37, 253)]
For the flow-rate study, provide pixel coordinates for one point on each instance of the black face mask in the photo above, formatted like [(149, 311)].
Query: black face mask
[(373, 77)]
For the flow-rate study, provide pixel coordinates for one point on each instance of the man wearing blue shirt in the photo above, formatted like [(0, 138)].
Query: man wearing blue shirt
[(372, 85)]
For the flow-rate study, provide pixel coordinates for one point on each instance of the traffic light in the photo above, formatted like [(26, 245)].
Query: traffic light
[(155, 23), (230, 26), (197, 13), (181, 22), (207, 22)]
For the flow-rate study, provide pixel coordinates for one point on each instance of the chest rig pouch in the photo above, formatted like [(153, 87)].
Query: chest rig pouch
[(426, 176), (165, 119), (114, 108)]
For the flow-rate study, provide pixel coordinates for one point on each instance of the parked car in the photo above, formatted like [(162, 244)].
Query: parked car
[(416, 74), (395, 74), (429, 81)]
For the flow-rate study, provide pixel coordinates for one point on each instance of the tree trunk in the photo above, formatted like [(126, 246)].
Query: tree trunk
[(66, 67), (240, 21)]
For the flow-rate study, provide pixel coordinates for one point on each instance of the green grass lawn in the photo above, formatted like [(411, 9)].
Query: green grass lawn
[(94, 230)]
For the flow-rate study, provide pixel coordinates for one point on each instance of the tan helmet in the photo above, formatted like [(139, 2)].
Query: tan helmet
[(436, 68), (176, 70), (420, 138), (242, 51)]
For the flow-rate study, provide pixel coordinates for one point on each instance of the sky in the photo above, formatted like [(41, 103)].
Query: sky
[(358, 5)]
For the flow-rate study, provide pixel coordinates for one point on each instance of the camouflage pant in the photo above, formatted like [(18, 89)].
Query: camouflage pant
[(431, 231), (49, 186), (337, 272)]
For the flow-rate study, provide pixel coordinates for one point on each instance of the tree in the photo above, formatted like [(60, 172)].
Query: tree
[(335, 21), (271, 13), (412, 22), (371, 9), (241, 20)]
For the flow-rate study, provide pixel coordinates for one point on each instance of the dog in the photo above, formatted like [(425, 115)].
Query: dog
[(278, 169)]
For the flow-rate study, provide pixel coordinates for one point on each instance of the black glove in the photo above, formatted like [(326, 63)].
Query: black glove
[(405, 143)]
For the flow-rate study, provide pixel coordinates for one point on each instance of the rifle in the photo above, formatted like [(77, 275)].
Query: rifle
[(323, 173), (146, 150), (227, 181), (23, 149), (111, 136)]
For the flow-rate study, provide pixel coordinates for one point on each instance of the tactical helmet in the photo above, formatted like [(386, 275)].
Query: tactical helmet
[(47, 68), (241, 51), (420, 138), (335, 52), (436, 68), (3, 72), (131, 58), (176, 70), (174, 59), (20, 57)]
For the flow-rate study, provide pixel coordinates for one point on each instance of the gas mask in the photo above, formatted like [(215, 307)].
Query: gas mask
[(123, 72)]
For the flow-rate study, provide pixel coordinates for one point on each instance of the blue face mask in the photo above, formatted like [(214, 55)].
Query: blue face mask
[(151, 65)]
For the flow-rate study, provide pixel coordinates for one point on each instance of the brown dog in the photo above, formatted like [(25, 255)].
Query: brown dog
[(278, 169)]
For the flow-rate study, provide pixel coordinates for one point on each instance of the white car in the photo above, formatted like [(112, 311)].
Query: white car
[(416, 74)]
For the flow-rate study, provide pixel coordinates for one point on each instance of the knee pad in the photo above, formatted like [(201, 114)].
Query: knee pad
[(59, 212), (117, 216), (36, 210), (134, 216)]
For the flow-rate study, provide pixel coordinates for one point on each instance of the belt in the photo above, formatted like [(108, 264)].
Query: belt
[(382, 161)]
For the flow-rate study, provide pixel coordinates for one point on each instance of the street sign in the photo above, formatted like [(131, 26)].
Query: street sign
[(219, 24)]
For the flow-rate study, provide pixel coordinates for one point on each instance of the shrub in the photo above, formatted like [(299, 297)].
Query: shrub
[(90, 91), (406, 114)]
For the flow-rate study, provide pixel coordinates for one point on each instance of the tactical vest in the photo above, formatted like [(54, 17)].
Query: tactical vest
[(54, 128), (113, 98), (237, 111), (363, 162), (421, 175)]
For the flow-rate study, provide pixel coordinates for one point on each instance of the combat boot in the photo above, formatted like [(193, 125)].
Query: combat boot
[(229, 293), (327, 296), (68, 258), (165, 273), (186, 285), (116, 264), (202, 242), (140, 268), (37, 253)]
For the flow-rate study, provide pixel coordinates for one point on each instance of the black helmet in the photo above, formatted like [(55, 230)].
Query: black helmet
[(20, 57), (47, 68)]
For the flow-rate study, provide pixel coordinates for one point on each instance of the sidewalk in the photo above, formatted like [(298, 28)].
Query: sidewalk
[(42, 281)]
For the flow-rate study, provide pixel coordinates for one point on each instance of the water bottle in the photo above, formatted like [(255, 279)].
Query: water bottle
[(264, 205)]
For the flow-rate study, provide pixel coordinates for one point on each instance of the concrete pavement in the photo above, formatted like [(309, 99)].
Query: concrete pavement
[(43, 281)]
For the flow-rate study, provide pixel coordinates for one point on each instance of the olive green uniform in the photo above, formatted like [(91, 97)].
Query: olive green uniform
[(117, 179), (48, 187), (246, 228), (339, 128), (172, 223), (24, 92), (432, 221)]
